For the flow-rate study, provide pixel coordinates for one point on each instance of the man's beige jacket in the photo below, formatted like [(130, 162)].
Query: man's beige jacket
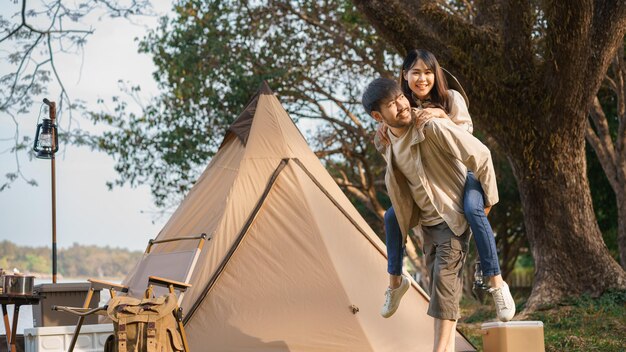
[(443, 152)]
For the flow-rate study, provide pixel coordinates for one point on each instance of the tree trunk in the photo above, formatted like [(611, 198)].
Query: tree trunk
[(621, 228), (570, 255)]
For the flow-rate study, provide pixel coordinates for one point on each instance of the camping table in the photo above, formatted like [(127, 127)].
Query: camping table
[(17, 301)]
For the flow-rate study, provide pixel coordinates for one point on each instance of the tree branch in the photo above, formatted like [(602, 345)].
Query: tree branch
[(19, 72), (517, 32), (21, 24), (63, 92), (568, 37), (424, 24), (488, 13), (356, 192), (324, 153), (464, 10), (337, 102), (609, 24), (323, 114), (337, 32), (600, 141), (620, 91)]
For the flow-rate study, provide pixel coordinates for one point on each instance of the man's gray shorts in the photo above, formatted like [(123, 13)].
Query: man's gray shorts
[(445, 255)]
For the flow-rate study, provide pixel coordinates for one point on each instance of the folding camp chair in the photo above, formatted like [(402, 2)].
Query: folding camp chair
[(156, 274)]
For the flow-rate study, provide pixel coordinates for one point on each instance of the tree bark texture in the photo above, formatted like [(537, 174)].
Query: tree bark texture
[(570, 255), (621, 229), (530, 86)]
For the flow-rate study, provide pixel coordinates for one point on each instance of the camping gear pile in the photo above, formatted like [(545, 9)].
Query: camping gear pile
[(147, 324), (150, 324), (143, 318)]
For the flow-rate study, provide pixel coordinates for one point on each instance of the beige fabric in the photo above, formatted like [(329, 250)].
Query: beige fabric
[(172, 265), (443, 153), (294, 279), (404, 162), (459, 113)]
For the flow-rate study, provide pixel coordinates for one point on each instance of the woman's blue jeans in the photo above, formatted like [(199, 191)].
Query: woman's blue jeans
[(474, 207)]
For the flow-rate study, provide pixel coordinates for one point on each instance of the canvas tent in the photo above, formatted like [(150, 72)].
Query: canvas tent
[(291, 266)]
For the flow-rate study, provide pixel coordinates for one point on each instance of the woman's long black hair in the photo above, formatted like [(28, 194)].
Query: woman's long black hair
[(439, 94)]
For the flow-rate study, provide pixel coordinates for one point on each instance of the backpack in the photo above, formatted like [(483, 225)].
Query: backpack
[(144, 325)]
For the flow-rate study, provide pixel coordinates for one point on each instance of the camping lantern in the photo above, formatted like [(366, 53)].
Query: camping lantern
[(46, 144), (479, 288), (46, 140)]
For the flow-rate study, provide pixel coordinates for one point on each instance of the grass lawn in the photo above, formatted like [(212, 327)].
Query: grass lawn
[(580, 324)]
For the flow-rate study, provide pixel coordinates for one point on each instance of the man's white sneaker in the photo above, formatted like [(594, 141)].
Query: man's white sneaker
[(393, 297), (505, 305)]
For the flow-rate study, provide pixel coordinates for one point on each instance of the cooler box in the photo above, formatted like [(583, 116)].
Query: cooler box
[(513, 336), (71, 294), (58, 338)]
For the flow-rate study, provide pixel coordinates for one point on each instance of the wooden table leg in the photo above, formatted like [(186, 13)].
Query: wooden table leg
[(16, 313), (7, 327), (79, 324)]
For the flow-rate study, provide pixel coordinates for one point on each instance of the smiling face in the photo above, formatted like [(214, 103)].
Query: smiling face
[(395, 113), (420, 79)]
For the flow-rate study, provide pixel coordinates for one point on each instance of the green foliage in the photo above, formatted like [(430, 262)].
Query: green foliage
[(75, 261), (211, 58), (587, 324), (525, 261), (13, 256), (33, 35), (37, 264)]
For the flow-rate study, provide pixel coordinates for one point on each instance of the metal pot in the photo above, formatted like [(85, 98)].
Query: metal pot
[(18, 285)]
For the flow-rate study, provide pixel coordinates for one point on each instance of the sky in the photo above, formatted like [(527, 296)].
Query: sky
[(87, 212)]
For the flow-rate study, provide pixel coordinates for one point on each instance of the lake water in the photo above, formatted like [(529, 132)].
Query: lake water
[(25, 319)]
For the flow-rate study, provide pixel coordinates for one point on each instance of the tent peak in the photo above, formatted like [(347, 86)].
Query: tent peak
[(241, 126), (264, 88)]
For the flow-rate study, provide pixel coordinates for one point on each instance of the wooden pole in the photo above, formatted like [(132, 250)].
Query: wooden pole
[(52, 106)]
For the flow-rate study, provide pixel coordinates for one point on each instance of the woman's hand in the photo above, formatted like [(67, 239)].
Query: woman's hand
[(436, 112), (421, 116), (381, 133)]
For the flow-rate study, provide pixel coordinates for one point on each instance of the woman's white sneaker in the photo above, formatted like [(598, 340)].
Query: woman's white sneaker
[(393, 297), (505, 305)]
